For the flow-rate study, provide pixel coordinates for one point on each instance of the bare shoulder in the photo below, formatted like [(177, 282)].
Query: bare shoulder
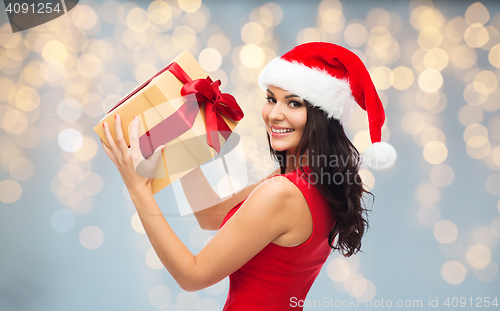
[(279, 193)]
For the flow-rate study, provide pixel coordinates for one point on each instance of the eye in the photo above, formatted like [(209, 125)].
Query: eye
[(295, 104), (271, 99)]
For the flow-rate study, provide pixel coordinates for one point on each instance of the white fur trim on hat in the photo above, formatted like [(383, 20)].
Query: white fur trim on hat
[(322, 90), (380, 156)]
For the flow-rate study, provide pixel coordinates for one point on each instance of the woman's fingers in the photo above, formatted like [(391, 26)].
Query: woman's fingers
[(108, 152), (119, 134), (111, 142)]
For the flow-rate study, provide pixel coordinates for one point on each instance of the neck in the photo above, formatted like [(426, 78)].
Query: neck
[(292, 161)]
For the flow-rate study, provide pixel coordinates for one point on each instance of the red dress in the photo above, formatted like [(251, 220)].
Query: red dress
[(278, 277)]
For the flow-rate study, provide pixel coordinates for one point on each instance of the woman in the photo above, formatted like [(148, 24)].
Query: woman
[(274, 242)]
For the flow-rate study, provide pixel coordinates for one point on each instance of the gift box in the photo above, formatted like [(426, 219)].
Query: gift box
[(179, 107)]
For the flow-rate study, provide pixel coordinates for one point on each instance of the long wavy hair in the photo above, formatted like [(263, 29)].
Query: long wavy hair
[(325, 140)]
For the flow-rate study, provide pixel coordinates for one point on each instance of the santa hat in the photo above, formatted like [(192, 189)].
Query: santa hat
[(333, 79)]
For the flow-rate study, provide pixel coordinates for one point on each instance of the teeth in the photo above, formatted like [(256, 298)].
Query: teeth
[(282, 130)]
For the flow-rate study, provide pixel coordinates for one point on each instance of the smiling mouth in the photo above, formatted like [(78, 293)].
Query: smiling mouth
[(282, 130)]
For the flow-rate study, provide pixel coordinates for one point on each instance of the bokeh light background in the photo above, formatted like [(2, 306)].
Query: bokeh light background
[(69, 235)]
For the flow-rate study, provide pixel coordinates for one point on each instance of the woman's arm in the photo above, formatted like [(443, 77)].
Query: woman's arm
[(211, 217), (266, 214)]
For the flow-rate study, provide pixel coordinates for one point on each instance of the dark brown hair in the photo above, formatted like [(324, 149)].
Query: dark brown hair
[(332, 155)]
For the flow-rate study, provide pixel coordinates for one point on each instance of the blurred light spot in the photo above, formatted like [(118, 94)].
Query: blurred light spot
[(88, 150), (210, 59), (187, 301), (476, 35), (401, 78), (362, 140), (79, 203), (251, 56), (453, 249), (485, 82), (338, 270), (442, 175), (367, 178), (476, 135), (430, 134), (430, 38), (252, 33), (27, 99), (160, 295), (455, 28), (411, 121), (62, 220), (445, 231), (196, 20), (381, 77), (138, 20), (478, 256), (189, 5), (220, 42), (54, 52), (424, 16), (355, 35), (468, 115), (83, 17), (494, 56), (276, 12), (10, 191), (436, 59), (70, 140), (428, 215), (208, 304), (89, 65), (144, 72), (60, 188), (488, 273), (91, 237), (137, 224), (435, 152), (92, 105), (477, 13), (311, 34), (426, 193), (364, 290), (478, 148), (495, 225), (463, 57), (152, 260), (485, 236), (160, 12), (184, 37), (430, 80), (69, 110), (14, 121), (473, 97), (493, 184), (21, 169), (350, 281), (453, 272), (90, 184), (104, 50)]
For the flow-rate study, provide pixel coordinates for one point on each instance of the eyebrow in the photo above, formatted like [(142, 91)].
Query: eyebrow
[(286, 97)]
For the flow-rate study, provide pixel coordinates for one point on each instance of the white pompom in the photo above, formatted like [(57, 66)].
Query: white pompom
[(380, 156)]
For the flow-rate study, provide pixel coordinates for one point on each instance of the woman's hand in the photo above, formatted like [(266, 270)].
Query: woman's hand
[(137, 172)]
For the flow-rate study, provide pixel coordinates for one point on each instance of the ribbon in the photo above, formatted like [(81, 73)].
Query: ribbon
[(205, 92), (216, 104)]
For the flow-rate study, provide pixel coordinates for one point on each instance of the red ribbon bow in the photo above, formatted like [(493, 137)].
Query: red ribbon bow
[(216, 104)]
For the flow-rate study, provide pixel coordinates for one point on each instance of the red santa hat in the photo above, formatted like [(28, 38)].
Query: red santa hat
[(333, 79)]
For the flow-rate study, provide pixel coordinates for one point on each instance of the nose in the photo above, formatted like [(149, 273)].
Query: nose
[(276, 112)]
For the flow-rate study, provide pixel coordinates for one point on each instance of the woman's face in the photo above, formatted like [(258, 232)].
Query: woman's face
[(285, 116)]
